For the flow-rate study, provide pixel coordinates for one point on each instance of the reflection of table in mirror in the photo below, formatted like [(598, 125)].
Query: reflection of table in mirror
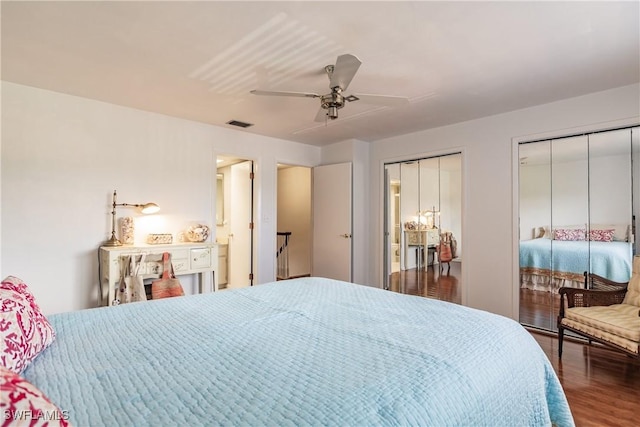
[(419, 239)]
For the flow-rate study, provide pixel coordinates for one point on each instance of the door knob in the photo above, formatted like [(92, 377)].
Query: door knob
[(345, 235)]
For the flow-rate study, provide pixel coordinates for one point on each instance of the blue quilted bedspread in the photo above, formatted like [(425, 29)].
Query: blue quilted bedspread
[(299, 352), (607, 259)]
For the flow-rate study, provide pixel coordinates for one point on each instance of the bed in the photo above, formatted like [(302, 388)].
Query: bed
[(547, 265), (308, 351)]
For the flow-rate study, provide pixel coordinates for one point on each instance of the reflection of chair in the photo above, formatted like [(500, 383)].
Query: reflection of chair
[(608, 312)]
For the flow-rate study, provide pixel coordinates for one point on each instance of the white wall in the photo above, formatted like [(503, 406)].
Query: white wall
[(487, 168), (65, 155), (62, 157)]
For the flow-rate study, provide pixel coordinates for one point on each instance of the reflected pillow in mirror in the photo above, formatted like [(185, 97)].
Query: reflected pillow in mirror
[(601, 235), (569, 234)]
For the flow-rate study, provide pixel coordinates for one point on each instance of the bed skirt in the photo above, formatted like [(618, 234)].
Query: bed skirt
[(540, 279)]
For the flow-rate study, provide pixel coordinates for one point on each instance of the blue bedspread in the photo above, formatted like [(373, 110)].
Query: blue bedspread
[(607, 259), (299, 352)]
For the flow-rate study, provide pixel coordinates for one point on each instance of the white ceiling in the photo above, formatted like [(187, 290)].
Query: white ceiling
[(455, 61)]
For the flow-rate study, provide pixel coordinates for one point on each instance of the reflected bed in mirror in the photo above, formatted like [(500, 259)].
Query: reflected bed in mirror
[(548, 263)]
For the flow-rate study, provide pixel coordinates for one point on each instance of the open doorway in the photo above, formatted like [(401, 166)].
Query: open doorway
[(293, 249), (235, 225)]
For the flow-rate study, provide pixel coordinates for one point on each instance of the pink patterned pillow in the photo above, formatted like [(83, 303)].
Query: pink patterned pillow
[(569, 234), (24, 331), (601, 235), (23, 404)]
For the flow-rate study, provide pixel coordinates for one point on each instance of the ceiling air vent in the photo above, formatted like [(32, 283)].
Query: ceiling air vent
[(239, 123)]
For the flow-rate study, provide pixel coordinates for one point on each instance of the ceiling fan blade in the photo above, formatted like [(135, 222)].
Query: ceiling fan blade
[(321, 116), (346, 67), (275, 93), (391, 101)]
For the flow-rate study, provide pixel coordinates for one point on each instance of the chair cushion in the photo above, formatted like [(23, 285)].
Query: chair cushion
[(632, 346), (622, 320), (633, 289)]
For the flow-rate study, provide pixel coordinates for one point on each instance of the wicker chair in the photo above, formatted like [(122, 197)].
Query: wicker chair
[(603, 312)]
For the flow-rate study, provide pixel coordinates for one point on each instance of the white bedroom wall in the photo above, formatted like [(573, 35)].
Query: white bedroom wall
[(487, 170), (62, 157)]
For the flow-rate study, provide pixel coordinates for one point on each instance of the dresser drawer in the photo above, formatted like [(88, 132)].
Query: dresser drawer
[(200, 258), (415, 237), (180, 264)]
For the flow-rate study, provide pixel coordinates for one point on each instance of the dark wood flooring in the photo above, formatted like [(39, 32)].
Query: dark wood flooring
[(539, 309), (429, 282), (601, 385)]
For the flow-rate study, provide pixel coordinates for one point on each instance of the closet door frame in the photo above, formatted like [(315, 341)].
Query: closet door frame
[(383, 206), (515, 165)]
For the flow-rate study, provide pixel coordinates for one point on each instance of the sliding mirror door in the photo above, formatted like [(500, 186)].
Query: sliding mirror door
[(576, 216), (535, 228), (422, 206)]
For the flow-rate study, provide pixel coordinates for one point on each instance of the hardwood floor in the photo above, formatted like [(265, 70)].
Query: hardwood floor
[(429, 282), (539, 309), (601, 385)]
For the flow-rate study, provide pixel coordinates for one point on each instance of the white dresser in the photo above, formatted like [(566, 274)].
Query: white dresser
[(187, 258)]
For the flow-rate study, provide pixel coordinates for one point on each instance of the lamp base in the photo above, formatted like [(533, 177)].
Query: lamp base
[(112, 242)]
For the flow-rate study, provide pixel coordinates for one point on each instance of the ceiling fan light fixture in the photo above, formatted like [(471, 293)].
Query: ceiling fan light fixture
[(332, 113)]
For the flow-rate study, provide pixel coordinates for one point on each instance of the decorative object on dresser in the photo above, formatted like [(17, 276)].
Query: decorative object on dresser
[(146, 208), (431, 215), (198, 233), (167, 286), (128, 228), (160, 239)]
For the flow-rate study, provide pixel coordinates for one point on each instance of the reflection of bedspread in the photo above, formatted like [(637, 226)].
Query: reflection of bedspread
[(570, 259)]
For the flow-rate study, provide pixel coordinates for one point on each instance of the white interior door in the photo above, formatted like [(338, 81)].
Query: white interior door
[(332, 221), (240, 235)]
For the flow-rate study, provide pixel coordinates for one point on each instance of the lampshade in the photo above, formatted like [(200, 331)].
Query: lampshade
[(149, 208)]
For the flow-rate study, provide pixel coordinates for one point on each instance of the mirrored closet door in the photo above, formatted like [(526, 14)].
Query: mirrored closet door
[(423, 215), (577, 215)]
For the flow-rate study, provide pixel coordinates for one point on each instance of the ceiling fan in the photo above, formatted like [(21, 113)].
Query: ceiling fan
[(340, 75)]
